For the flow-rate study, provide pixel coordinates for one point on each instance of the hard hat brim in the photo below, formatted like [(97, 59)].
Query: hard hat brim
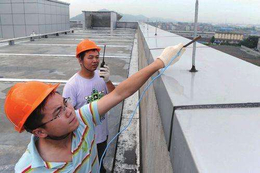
[(40, 99)]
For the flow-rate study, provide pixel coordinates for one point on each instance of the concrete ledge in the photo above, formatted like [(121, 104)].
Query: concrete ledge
[(154, 154)]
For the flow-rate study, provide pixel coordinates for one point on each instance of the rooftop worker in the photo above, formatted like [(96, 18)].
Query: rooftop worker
[(87, 86), (63, 139)]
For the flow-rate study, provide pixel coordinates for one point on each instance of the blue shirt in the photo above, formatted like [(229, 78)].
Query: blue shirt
[(83, 149)]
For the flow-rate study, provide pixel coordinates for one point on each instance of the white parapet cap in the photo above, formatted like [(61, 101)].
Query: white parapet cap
[(40, 80)]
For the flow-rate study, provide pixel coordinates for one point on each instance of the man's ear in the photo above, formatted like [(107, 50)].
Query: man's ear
[(40, 132), (79, 60)]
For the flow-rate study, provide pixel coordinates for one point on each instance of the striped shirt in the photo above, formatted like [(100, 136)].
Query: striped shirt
[(83, 149)]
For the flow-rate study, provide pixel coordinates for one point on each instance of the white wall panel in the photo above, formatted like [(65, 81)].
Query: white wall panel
[(31, 1), (18, 19), (53, 9), (19, 31), (63, 11), (7, 19), (48, 28), (67, 11), (53, 19), (47, 9), (63, 19), (5, 1), (53, 27), (31, 19), (59, 27), (41, 8), (41, 1), (8, 31), (58, 10), (41, 19), (31, 8), (5, 9), (1, 35), (59, 19), (47, 2), (42, 29), (47, 19), (18, 8)]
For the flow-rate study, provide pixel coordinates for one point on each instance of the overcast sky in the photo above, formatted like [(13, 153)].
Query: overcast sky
[(213, 11)]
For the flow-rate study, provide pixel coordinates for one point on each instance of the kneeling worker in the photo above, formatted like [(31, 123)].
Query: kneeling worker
[(63, 139)]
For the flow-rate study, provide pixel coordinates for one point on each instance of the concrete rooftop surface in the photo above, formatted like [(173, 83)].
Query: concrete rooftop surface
[(53, 59), (206, 121)]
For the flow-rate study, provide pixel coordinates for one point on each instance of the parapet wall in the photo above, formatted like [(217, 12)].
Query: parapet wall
[(206, 121), (154, 154), (133, 25)]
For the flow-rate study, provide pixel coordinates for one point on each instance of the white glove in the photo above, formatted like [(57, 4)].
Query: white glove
[(169, 52), (104, 73)]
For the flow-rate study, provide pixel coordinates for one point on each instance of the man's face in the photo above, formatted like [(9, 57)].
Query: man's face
[(91, 60), (67, 121)]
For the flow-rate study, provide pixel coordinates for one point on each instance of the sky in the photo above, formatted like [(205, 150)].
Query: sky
[(210, 11)]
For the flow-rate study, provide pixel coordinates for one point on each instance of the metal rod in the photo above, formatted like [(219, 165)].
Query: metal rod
[(193, 68), (192, 41), (186, 45)]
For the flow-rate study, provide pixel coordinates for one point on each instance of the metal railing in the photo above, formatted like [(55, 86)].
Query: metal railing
[(11, 41)]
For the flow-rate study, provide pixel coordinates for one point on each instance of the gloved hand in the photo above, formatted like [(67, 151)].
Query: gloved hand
[(169, 52), (104, 73)]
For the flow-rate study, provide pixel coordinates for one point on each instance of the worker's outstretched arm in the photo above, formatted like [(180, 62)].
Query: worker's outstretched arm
[(133, 83)]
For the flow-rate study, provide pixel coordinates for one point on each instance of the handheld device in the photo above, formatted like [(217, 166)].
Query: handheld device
[(103, 61)]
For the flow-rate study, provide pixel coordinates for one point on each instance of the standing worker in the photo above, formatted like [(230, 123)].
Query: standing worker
[(89, 85), (63, 139)]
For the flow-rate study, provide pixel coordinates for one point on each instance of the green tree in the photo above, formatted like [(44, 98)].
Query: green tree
[(250, 42), (212, 39)]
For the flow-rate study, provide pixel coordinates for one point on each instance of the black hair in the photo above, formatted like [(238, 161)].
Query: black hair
[(35, 118)]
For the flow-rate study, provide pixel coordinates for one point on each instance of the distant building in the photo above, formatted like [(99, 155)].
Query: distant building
[(100, 19), (76, 24), (226, 29), (23, 18), (229, 37)]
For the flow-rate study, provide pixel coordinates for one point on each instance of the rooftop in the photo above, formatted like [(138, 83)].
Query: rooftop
[(53, 60)]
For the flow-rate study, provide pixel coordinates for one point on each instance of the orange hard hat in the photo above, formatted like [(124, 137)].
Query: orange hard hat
[(23, 98), (86, 45)]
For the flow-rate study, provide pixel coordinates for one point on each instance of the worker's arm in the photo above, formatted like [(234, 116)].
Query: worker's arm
[(128, 87), (110, 86), (133, 83)]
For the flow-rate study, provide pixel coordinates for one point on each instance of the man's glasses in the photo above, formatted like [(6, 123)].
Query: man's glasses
[(59, 112)]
